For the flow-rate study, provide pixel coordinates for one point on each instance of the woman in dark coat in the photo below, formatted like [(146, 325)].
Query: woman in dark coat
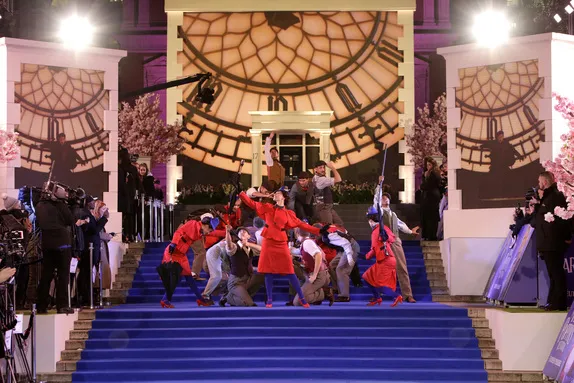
[(128, 183), (430, 200)]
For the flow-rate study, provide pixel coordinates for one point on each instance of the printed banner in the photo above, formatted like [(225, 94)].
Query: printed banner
[(569, 267), (506, 263), (561, 360)]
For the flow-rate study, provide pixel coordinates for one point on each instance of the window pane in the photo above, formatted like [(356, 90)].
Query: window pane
[(291, 139), (312, 139), (312, 156)]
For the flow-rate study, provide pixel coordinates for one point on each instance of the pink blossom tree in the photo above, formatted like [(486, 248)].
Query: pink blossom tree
[(429, 131), (563, 166), (143, 132), (9, 149)]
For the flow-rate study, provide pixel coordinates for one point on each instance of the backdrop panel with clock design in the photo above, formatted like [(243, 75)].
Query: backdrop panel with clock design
[(500, 133), (346, 62), (57, 102)]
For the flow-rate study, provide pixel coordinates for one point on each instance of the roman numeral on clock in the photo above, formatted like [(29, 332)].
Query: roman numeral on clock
[(347, 97), (390, 53)]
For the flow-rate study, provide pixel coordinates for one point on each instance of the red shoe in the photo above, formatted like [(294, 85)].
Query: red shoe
[(202, 303), (166, 305), (398, 300), (306, 305), (268, 305), (375, 302)]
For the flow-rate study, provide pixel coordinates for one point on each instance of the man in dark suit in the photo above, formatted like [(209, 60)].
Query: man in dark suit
[(553, 236)]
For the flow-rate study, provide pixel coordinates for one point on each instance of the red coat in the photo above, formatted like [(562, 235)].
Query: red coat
[(384, 271), (330, 252), (183, 237), (275, 256)]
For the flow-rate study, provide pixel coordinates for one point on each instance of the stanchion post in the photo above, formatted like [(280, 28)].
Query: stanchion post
[(33, 346), (151, 239), (171, 223), (101, 281), (137, 221), (91, 274), (155, 221), (143, 217), (162, 222)]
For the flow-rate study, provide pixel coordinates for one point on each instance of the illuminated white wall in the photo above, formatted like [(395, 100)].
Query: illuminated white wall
[(473, 236), (14, 53)]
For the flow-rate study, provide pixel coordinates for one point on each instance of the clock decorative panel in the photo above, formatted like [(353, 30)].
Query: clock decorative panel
[(500, 132), (346, 62), (61, 127)]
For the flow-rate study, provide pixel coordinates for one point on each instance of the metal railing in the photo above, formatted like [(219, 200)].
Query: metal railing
[(155, 221)]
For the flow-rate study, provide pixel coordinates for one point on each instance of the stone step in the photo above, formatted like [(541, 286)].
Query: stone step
[(72, 345), (115, 300), (83, 325), (476, 313), (480, 323), (431, 244), (136, 245), (486, 342), (118, 293), (136, 258), (436, 276), (489, 353), (440, 292), (483, 333), (433, 262), (458, 298), (129, 264), (515, 376), (66, 365), (56, 377), (492, 365), (438, 283), (70, 355), (79, 334), (127, 270), (434, 269), (121, 285), (124, 277), (436, 256), (87, 314)]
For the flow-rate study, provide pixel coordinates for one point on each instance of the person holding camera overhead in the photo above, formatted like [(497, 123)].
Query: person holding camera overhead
[(55, 220)]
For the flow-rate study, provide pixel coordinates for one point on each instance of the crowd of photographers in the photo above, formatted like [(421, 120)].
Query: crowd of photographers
[(71, 224)]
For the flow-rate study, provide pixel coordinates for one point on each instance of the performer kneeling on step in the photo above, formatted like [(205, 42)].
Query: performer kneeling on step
[(275, 257), (176, 251), (382, 276)]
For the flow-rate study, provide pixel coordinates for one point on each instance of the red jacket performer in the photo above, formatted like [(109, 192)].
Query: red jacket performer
[(275, 256), (182, 239), (382, 276)]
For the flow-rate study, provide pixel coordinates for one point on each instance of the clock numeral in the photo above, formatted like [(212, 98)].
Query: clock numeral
[(53, 129), (92, 122), (240, 139), (273, 105), (337, 154), (347, 97), (255, 156), (491, 128), (390, 53), (529, 115), (217, 142), (350, 134), (370, 131)]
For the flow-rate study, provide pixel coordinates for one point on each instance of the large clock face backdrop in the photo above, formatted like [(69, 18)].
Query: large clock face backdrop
[(346, 62), (57, 101), (500, 132)]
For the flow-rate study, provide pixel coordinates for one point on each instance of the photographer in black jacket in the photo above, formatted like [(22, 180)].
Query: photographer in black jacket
[(552, 239), (55, 220)]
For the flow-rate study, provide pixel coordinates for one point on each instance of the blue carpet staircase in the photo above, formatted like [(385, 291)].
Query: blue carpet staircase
[(349, 342)]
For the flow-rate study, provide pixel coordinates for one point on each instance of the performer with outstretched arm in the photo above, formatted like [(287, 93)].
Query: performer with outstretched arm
[(275, 256)]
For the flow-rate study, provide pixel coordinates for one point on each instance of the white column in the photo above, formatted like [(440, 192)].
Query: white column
[(256, 164)]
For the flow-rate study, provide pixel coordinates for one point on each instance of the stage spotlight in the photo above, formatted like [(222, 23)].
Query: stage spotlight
[(76, 32), (491, 28), (557, 18), (569, 9)]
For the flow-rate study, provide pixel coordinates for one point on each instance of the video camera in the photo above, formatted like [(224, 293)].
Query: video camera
[(12, 245), (57, 191)]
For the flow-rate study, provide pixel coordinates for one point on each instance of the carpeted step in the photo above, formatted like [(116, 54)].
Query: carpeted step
[(205, 351), (277, 322), (223, 372), (177, 362)]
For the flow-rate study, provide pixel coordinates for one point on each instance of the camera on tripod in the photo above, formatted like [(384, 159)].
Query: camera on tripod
[(58, 191), (12, 245)]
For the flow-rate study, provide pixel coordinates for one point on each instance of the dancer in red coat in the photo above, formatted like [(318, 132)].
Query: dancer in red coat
[(275, 256), (382, 276), (182, 239)]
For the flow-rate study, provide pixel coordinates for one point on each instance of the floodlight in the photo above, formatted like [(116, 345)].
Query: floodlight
[(569, 9), (76, 32), (491, 28)]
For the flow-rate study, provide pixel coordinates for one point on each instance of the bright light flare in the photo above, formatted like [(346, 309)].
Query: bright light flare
[(557, 18), (491, 28), (76, 32), (569, 9)]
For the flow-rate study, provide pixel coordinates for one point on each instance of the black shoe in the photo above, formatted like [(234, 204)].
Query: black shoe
[(65, 310), (341, 298), (329, 295), (222, 302)]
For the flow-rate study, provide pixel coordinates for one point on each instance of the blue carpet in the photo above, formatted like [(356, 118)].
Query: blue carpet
[(349, 342)]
